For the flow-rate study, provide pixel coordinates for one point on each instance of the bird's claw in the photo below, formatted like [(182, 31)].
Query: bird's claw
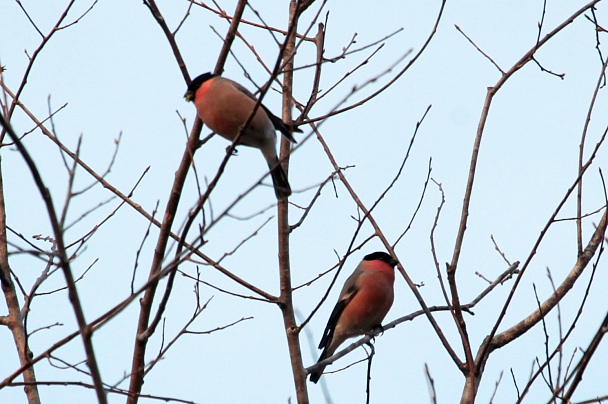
[(235, 152), (377, 330)]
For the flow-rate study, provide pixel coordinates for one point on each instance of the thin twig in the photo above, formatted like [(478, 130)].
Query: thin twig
[(479, 49)]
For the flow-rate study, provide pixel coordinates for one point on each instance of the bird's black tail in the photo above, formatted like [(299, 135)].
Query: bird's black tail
[(315, 376), (281, 184)]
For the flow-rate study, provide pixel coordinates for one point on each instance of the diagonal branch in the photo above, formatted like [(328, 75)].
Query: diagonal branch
[(494, 341), (143, 329), (32, 59), (127, 199)]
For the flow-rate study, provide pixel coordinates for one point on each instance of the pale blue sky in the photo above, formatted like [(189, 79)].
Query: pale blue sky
[(117, 74)]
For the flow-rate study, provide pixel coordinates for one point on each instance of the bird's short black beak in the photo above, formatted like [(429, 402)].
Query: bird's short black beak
[(393, 262), (189, 96)]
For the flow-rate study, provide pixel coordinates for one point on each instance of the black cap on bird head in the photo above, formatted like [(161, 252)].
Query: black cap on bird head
[(382, 256), (196, 83)]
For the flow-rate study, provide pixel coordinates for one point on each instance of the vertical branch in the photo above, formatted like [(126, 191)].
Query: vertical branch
[(14, 320), (579, 196), (482, 122), (474, 375), (85, 330), (286, 303)]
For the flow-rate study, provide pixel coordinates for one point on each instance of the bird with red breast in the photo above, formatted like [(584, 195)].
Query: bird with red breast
[(365, 299), (225, 106)]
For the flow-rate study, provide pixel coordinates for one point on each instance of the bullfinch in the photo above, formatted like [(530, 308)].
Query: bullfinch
[(224, 106), (366, 297)]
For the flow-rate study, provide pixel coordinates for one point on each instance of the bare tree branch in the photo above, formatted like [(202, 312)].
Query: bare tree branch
[(85, 331)]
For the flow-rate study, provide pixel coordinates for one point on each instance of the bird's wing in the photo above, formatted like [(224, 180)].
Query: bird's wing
[(348, 292), (276, 121), (281, 126), (243, 90)]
